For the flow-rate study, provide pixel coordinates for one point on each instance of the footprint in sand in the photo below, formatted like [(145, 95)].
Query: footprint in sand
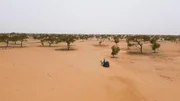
[(48, 75)]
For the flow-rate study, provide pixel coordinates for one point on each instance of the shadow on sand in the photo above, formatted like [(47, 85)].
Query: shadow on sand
[(97, 45), (115, 57), (45, 46), (9, 47), (65, 49), (137, 53), (2, 46), (144, 53)]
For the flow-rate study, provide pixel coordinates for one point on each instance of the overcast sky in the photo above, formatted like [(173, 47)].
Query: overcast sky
[(90, 16)]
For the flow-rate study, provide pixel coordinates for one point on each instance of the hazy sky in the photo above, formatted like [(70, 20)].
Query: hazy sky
[(90, 16)]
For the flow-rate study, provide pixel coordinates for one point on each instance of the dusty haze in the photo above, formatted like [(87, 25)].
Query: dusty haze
[(90, 16)]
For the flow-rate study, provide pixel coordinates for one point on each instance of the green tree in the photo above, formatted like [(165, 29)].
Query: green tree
[(137, 41), (128, 42), (14, 37), (155, 46), (154, 43), (68, 39), (115, 50), (116, 39), (83, 37), (22, 37), (101, 38), (170, 38), (41, 37), (51, 39), (5, 38), (35, 36)]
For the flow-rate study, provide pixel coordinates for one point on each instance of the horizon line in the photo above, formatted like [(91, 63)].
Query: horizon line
[(91, 33)]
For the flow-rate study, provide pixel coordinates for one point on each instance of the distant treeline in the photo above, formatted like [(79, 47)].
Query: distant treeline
[(131, 40)]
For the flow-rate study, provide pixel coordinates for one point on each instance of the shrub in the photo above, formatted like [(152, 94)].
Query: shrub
[(115, 50), (155, 46), (154, 43)]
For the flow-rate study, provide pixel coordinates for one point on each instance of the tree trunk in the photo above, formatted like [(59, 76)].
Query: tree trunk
[(21, 43), (68, 45), (15, 42), (49, 44), (100, 43), (7, 43), (141, 48), (155, 51), (42, 43), (127, 45)]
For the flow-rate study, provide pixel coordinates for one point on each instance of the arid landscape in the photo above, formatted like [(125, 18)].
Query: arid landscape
[(72, 72)]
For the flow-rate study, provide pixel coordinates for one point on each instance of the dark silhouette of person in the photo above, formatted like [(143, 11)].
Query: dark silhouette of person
[(105, 63)]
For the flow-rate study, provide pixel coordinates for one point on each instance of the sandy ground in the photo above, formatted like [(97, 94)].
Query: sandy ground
[(35, 73)]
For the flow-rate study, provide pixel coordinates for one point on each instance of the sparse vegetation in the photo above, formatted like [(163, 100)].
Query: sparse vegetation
[(14, 37), (5, 38), (137, 41), (115, 50), (155, 46), (101, 38), (50, 39), (116, 39), (65, 58), (154, 43), (68, 39), (22, 37), (131, 40), (83, 37)]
